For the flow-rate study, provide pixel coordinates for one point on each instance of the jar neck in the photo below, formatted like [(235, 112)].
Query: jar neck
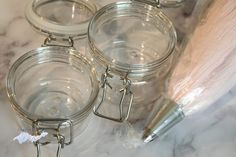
[(45, 55), (104, 53)]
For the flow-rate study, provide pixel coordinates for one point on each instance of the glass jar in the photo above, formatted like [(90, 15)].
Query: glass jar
[(132, 45), (52, 89), (61, 18)]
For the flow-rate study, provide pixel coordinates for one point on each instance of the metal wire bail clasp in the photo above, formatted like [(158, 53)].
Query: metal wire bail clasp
[(163, 3), (126, 91), (53, 41), (62, 123)]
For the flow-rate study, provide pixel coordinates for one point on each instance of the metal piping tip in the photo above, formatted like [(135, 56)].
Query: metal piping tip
[(149, 137), (166, 117)]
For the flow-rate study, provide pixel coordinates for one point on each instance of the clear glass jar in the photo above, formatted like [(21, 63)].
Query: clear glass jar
[(52, 89), (132, 45)]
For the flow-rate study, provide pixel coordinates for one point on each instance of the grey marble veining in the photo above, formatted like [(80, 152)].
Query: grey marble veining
[(208, 133)]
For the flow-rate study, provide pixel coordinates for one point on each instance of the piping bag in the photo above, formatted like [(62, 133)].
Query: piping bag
[(205, 72)]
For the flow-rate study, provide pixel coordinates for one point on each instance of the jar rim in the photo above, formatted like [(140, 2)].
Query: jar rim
[(45, 26), (134, 69), (75, 117)]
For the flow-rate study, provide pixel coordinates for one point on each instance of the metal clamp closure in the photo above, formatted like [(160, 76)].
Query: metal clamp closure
[(164, 4), (126, 91), (61, 124), (53, 41)]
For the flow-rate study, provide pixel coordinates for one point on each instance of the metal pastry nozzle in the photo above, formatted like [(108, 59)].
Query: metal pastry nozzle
[(166, 117)]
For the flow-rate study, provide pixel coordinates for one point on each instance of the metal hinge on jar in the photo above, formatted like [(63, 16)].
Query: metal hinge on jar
[(126, 91), (163, 3), (53, 41), (38, 128)]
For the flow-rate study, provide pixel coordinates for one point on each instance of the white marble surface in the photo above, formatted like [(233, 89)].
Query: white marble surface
[(207, 133)]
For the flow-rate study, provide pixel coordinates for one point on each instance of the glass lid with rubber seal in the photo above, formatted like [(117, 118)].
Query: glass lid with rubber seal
[(61, 18)]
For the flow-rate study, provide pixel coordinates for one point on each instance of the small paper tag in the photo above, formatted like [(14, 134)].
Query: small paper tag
[(25, 137)]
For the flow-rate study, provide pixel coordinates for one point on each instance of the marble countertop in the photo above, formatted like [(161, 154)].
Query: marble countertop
[(207, 133)]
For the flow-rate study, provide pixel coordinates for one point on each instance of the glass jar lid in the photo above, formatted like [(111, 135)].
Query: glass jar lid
[(131, 37), (61, 18), (52, 82)]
